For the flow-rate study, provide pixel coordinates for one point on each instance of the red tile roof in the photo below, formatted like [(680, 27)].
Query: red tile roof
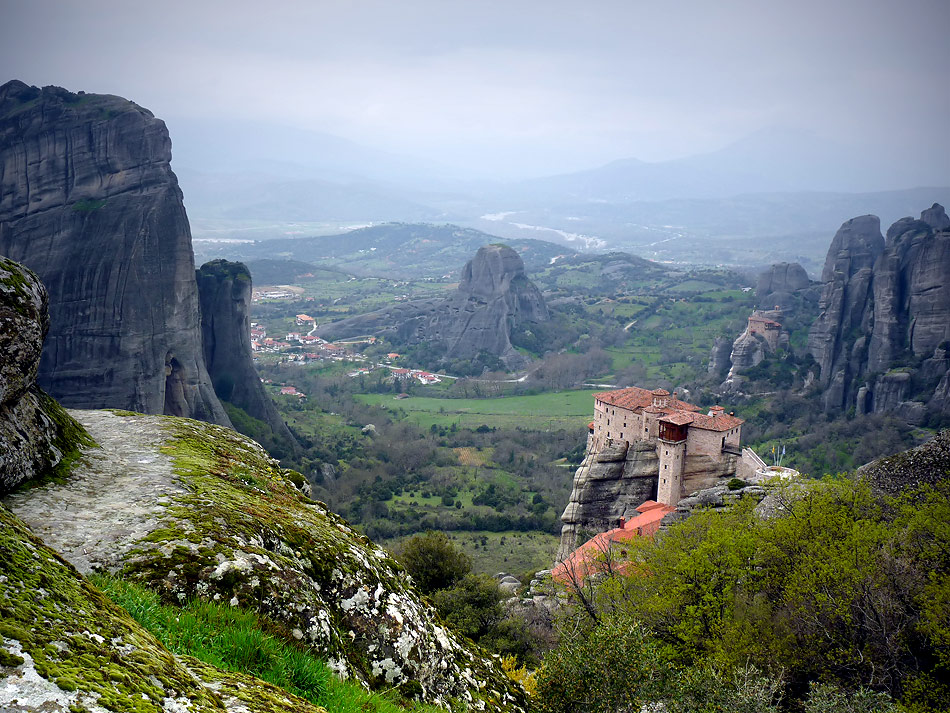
[(635, 397), (585, 560), (676, 412)]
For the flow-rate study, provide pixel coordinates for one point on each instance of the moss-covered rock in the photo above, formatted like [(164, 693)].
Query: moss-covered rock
[(65, 647), (36, 434), (230, 526)]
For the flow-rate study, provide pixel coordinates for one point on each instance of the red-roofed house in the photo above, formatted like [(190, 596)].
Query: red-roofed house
[(590, 557)]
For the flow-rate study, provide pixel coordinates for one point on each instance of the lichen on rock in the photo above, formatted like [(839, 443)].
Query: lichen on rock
[(36, 434), (233, 528)]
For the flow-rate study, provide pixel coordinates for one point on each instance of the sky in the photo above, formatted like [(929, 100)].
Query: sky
[(512, 88)]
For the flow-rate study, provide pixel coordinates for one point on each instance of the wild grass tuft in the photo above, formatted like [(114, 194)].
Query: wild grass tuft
[(235, 639)]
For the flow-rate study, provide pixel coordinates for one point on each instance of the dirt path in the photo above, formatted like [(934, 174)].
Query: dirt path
[(113, 496)]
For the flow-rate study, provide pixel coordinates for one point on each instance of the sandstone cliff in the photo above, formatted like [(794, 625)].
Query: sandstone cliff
[(89, 202), (882, 334), (783, 285), (225, 292), (493, 297)]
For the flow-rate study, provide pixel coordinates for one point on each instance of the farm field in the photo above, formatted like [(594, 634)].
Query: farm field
[(546, 411)]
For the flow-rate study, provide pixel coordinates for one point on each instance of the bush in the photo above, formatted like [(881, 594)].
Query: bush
[(434, 561), (613, 666)]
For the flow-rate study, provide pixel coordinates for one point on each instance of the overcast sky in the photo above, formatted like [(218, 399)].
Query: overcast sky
[(527, 87)]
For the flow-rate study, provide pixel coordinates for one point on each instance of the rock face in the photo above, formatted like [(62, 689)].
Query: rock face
[(927, 464), (613, 482), (780, 284), (225, 292), (719, 362), (192, 509), (885, 306), (494, 296), (89, 202), (36, 434)]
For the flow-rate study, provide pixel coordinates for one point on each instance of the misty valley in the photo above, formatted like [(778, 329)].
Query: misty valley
[(650, 437)]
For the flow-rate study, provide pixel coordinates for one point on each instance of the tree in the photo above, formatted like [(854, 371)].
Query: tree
[(434, 561)]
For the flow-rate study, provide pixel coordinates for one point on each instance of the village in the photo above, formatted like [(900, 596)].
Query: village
[(302, 348)]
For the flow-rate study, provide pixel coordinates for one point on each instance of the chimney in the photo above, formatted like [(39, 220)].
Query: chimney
[(623, 521)]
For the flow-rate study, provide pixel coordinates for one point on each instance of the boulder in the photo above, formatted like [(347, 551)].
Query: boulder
[(927, 464), (66, 647), (36, 434)]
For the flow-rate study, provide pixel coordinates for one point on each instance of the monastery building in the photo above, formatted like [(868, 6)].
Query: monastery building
[(679, 429)]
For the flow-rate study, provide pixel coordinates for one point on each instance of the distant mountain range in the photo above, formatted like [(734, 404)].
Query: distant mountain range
[(774, 195), (397, 250)]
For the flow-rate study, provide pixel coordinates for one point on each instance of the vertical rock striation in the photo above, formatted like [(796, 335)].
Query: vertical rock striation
[(225, 291), (884, 326), (845, 307), (89, 202)]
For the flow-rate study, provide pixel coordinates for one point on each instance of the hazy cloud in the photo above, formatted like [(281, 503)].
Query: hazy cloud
[(531, 86)]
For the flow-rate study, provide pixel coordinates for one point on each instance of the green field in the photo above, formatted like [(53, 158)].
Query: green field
[(558, 409)]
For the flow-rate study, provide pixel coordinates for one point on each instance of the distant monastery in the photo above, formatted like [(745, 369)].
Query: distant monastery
[(647, 450), (680, 428)]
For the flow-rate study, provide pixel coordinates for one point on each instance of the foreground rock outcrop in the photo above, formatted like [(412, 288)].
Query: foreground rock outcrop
[(882, 337), (89, 202), (927, 464), (36, 434), (225, 291), (193, 509), (494, 297), (64, 648)]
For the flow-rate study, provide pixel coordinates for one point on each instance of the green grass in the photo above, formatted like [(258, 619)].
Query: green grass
[(556, 409), (236, 639)]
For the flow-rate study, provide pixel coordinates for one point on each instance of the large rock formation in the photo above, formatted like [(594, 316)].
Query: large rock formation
[(225, 292), (885, 306), (190, 510), (36, 434), (89, 202), (836, 339), (781, 284), (66, 647), (494, 296)]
